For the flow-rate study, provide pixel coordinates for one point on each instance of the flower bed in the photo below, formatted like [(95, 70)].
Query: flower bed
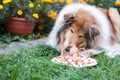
[(42, 12)]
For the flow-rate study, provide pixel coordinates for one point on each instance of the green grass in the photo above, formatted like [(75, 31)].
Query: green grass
[(35, 64)]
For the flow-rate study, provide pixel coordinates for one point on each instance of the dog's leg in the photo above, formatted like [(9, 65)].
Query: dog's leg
[(115, 20), (95, 52), (114, 51), (114, 17)]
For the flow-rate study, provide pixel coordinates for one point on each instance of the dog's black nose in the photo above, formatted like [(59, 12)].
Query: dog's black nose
[(68, 49)]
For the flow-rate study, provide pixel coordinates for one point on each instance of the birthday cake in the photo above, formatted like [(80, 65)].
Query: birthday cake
[(75, 58)]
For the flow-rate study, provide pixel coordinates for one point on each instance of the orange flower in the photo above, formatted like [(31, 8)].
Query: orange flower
[(61, 1), (117, 3), (42, 20), (40, 28), (90, 1), (52, 15)]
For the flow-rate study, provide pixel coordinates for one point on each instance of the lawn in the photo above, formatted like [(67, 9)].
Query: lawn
[(35, 64)]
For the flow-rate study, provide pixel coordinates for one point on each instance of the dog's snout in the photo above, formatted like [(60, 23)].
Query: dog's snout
[(68, 48)]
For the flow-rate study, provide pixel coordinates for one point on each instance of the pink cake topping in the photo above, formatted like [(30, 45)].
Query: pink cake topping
[(73, 51)]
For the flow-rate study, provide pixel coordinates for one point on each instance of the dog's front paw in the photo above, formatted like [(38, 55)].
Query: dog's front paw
[(113, 53), (95, 52)]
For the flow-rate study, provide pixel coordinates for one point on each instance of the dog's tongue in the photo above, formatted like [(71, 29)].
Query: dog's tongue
[(73, 51)]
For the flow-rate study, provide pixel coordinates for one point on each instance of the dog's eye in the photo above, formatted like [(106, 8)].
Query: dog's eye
[(71, 30), (81, 36)]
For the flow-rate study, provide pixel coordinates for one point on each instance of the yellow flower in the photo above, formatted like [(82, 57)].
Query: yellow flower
[(35, 15), (1, 6), (52, 15), (81, 1), (40, 28), (90, 1), (6, 1), (100, 4), (61, 1), (69, 1), (49, 1), (31, 5), (117, 3), (19, 12), (39, 5), (38, 35)]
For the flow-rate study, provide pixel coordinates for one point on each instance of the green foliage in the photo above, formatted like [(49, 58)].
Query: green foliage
[(35, 64), (7, 38), (106, 3)]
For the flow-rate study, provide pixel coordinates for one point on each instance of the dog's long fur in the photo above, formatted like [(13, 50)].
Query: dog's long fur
[(86, 26)]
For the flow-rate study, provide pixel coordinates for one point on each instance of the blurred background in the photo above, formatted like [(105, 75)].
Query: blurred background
[(42, 13)]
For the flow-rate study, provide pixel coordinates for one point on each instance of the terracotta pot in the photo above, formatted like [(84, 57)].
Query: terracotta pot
[(19, 26)]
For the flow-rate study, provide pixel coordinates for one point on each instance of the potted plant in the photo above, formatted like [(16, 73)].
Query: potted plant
[(29, 11), (20, 15)]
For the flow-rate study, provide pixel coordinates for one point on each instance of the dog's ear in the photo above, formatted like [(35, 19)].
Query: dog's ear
[(69, 19), (91, 33)]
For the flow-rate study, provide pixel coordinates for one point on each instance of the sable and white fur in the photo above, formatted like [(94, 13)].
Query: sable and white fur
[(104, 39)]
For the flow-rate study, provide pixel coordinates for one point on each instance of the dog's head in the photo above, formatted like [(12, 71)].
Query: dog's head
[(80, 30)]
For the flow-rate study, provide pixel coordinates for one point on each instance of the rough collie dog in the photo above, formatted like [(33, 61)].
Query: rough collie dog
[(86, 26)]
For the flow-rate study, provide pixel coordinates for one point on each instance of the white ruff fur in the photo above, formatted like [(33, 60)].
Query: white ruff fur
[(104, 41)]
